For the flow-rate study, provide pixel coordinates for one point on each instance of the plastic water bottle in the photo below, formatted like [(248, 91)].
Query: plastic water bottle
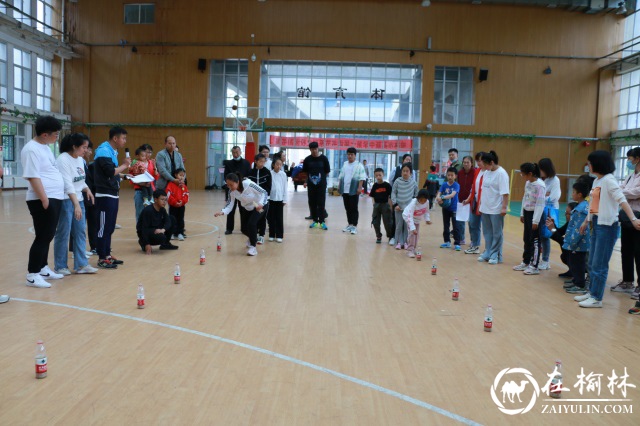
[(176, 274), (203, 259), (555, 390), (488, 319), (41, 360), (419, 253), (434, 267), (140, 296), (455, 292), (219, 246)]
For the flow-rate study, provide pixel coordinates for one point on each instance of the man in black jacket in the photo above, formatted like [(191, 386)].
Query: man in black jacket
[(236, 165), (155, 226)]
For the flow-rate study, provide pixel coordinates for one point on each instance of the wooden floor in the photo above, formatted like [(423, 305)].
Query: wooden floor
[(324, 329)]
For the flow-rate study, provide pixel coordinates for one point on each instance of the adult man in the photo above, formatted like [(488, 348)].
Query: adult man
[(155, 225), (106, 179), (237, 164), (351, 178), (453, 159), (264, 150), (44, 197), (317, 168), (167, 161), (366, 179)]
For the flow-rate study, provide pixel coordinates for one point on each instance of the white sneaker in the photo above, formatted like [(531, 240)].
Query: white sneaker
[(472, 250), (493, 261), (521, 267), (544, 266), (260, 240), (180, 237), (354, 231), (482, 259), (174, 237), (63, 271), (252, 251), (392, 242), (347, 229), (48, 274), (4, 298), (248, 244), (88, 254), (581, 297), (87, 269), (36, 280), (531, 271), (271, 239), (278, 240), (590, 303), (117, 226)]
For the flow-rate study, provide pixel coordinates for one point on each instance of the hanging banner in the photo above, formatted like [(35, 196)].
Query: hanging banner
[(342, 143)]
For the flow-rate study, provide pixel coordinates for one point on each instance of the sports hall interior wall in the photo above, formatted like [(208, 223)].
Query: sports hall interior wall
[(161, 84)]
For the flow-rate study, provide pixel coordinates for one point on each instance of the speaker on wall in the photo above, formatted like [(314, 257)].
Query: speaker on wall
[(202, 65), (483, 75)]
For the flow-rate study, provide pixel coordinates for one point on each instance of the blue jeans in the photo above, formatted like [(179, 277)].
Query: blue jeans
[(546, 248), (138, 200), (461, 226), (603, 238), (474, 229), (492, 225), (68, 225)]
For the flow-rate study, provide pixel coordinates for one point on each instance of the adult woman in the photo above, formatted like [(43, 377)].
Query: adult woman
[(253, 199), (552, 183), (475, 217), (629, 237), (605, 198), (495, 197), (466, 177), (72, 216)]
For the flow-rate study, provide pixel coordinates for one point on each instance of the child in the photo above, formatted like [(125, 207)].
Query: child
[(417, 208), (450, 189), (575, 243), (380, 194), (531, 215), (261, 176), (178, 197), (138, 167), (278, 199), (403, 190), (254, 201)]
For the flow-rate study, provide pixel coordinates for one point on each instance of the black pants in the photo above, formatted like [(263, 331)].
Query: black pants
[(157, 239), (249, 223), (578, 267), (383, 211), (449, 218), (178, 213), (558, 237), (231, 216), (262, 222), (532, 242), (107, 208), (276, 219), (630, 253), (351, 206), (45, 223), (317, 198)]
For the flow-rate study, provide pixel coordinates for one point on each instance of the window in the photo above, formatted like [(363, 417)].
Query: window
[(629, 108), (45, 15), (21, 77), (228, 78), (8, 145), (139, 13), (441, 147), (345, 91), (619, 153), (631, 35), (3, 71), (22, 11), (453, 100), (44, 84)]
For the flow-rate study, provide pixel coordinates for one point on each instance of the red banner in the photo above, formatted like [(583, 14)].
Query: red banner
[(342, 143)]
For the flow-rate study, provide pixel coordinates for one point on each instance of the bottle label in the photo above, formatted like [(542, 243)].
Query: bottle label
[(488, 323), (455, 294), (219, 248), (176, 277), (140, 300), (419, 256), (41, 365), (202, 260), (434, 271)]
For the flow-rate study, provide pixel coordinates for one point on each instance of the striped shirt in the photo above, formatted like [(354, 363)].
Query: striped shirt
[(403, 192)]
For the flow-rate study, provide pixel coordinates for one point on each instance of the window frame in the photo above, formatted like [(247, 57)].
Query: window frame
[(140, 14)]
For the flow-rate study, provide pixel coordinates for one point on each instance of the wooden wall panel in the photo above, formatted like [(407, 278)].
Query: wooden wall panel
[(161, 84)]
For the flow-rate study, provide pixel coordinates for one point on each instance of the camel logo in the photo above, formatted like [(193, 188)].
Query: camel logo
[(513, 391)]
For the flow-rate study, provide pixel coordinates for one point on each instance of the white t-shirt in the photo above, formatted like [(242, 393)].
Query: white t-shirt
[(72, 171), (38, 162), (348, 169), (554, 190), (495, 184)]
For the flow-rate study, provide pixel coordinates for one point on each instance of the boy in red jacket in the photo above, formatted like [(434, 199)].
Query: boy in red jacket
[(178, 197)]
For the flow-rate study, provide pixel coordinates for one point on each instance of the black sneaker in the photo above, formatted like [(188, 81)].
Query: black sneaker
[(114, 260), (106, 264), (228, 232), (378, 240), (566, 275), (168, 246), (308, 218)]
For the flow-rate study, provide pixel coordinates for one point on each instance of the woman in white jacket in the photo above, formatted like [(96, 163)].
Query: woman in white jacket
[(605, 199), (252, 199)]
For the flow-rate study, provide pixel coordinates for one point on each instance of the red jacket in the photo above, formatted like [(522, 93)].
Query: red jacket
[(476, 206), (177, 193)]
